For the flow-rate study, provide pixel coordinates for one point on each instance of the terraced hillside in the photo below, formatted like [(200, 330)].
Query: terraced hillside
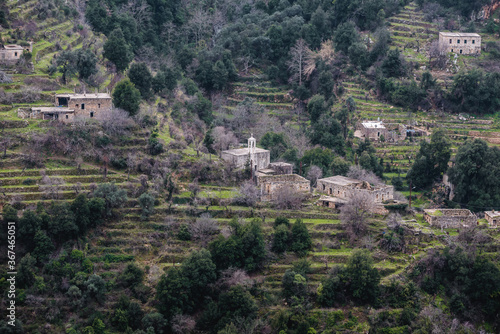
[(412, 34)]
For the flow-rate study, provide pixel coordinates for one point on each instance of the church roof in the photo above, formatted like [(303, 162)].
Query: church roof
[(243, 151)]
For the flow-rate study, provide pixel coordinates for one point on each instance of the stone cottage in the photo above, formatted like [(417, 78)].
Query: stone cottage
[(373, 130), (450, 218), (344, 188), (493, 218), (257, 158), (460, 43), (69, 106), (12, 52), (270, 185)]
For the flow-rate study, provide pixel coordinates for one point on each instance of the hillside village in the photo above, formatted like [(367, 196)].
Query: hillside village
[(250, 167)]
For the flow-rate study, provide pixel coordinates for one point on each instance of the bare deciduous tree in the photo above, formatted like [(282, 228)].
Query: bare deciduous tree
[(297, 63), (77, 187), (355, 213), (203, 227), (115, 122), (52, 187), (359, 173), (223, 139), (233, 276), (183, 324), (288, 198), (249, 194), (314, 174)]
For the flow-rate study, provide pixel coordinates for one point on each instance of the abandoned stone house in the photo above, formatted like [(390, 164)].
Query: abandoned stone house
[(270, 185), (450, 218), (493, 218), (373, 130), (257, 158), (460, 43), (69, 106), (344, 188), (12, 52)]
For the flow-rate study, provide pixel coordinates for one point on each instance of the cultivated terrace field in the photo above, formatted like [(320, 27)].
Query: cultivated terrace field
[(132, 222)]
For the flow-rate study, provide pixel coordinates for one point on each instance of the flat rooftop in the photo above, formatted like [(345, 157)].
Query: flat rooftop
[(373, 125), (340, 180), (244, 151), (459, 34), (13, 47), (85, 96), (492, 214)]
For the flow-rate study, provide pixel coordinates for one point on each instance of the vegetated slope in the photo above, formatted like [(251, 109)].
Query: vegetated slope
[(155, 243)]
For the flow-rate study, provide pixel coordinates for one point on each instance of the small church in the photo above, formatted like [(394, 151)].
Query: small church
[(257, 157), (271, 178)]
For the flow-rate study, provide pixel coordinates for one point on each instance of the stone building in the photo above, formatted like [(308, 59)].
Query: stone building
[(460, 43), (493, 218), (12, 52), (270, 185), (258, 158), (69, 106), (344, 188), (373, 130), (450, 218)]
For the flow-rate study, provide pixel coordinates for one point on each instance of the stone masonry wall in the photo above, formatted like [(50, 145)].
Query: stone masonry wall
[(271, 184), (346, 192)]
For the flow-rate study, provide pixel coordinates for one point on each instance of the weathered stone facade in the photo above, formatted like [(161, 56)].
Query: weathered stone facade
[(373, 130), (281, 168), (450, 218), (460, 43), (270, 185), (258, 158), (70, 106), (12, 52), (343, 187), (493, 218)]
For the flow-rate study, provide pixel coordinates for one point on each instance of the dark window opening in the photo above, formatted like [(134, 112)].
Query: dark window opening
[(451, 50), (91, 114), (450, 40), (465, 41), (460, 51), (66, 116), (83, 106), (98, 105), (473, 41), (323, 187), (15, 54), (76, 105), (458, 41), (62, 101)]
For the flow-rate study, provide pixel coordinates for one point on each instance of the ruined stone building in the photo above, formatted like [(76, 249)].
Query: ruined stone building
[(257, 158), (270, 185), (344, 188), (450, 218), (373, 130), (493, 218), (12, 52), (460, 43), (68, 106)]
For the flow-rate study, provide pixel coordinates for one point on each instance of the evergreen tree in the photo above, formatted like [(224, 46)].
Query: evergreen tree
[(117, 50), (431, 161), (141, 77), (127, 97), (300, 240)]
